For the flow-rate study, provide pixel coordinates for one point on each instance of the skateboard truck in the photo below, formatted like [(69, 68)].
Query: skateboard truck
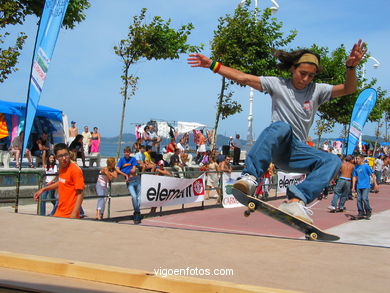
[(251, 209)]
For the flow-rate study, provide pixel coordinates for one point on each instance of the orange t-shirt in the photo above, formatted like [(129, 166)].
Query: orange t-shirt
[(69, 180), (201, 140)]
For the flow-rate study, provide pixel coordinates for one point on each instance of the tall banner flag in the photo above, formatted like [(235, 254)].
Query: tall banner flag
[(49, 27), (363, 106)]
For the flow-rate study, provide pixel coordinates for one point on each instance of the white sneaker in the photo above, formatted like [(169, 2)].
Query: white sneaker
[(331, 208), (297, 209), (247, 184)]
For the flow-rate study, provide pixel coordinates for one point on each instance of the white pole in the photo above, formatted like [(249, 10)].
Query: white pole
[(375, 65), (249, 137)]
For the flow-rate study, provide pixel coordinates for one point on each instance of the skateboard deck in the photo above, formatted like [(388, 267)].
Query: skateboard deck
[(311, 232), (356, 217)]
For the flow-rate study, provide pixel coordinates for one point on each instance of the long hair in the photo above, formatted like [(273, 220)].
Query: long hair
[(288, 59), (50, 164), (110, 163)]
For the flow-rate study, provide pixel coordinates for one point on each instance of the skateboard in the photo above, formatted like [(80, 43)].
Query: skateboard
[(357, 217), (311, 232), (337, 211)]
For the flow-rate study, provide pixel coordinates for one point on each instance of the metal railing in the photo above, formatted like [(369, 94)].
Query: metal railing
[(15, 178)]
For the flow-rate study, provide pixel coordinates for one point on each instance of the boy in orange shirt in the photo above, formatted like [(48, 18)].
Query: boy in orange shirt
[(70, 185)]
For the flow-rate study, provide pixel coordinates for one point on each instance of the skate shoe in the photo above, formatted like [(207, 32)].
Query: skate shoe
[(298, 210), (246, 184)]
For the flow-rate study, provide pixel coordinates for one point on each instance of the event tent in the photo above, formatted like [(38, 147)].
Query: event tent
[(47, 119)]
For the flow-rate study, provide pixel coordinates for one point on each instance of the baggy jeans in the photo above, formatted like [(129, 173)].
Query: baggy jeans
[(278, 144), (363, 203), (341, 191), (134, 187)]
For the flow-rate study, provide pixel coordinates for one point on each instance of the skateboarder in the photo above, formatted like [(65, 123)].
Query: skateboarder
[(294, 104), (343, 186), (361, 176)]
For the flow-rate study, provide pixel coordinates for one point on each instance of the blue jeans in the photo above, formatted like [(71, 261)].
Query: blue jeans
[(134, 187), (50, 194), (278, 144), (378, 175), (363, 204), (54, 208), (341, 192)]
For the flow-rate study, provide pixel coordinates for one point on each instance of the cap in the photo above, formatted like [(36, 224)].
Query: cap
[(73, 122), (161, 163)]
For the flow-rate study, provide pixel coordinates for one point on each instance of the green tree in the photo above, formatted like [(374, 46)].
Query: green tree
[(333, 72), (322, 126), (245, 42), (154, 40), (14, 12)]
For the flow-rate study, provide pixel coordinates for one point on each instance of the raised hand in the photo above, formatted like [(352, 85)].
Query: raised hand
[(199, 60), (357, 53)]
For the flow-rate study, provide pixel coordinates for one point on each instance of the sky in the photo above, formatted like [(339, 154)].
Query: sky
[(84, 75)]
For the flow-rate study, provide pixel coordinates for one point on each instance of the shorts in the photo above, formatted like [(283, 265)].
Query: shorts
[(38, 153), (202, 148)]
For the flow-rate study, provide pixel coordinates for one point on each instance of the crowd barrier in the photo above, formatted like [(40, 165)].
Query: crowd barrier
[(32, 179)]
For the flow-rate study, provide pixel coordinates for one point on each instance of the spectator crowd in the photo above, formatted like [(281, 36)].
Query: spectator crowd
[(361, 173)]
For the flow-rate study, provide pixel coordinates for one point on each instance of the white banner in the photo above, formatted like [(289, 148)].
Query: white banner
[(157, 191), (287, 179), (229, 201)]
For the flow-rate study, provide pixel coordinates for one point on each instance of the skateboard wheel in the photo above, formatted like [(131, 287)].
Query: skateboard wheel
[(313, 236), (247, 213), (252, 206)]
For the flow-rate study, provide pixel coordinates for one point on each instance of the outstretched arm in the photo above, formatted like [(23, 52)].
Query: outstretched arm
[(350, 84), (46, 188), (199, 60)]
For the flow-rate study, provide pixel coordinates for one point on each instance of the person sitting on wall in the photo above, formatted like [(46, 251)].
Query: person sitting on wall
[(41, 148), (77, 147), (16, 149)]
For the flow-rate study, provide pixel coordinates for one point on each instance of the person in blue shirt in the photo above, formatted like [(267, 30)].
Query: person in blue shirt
[(127, 166), (361, 184)]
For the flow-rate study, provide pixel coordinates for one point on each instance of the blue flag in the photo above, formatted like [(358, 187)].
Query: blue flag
[(363, 106), (49, 27)]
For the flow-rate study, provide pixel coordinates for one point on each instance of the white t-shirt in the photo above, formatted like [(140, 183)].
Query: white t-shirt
[(379, 164), (51, 171)]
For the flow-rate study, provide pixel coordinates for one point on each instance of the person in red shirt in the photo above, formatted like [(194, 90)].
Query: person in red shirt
[(172, 146), (70, 185)]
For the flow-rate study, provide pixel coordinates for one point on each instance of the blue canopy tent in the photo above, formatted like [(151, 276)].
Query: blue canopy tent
[(47, 119), (19, 109)]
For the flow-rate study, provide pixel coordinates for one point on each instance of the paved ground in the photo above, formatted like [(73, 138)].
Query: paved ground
[(279, 260), (372, 232)]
